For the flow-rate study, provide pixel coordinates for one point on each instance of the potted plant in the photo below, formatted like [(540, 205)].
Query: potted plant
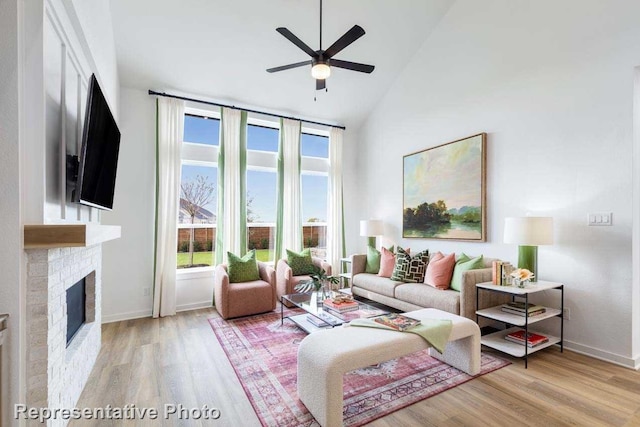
[(319, 279)]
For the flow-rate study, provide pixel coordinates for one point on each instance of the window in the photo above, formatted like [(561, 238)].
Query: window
[(201, 130), (315, 191), (262, 182), (197, 211), (314, 145), (262, 138)]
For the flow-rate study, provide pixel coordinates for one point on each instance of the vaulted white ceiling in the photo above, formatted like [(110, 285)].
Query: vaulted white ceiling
[(220, 49)]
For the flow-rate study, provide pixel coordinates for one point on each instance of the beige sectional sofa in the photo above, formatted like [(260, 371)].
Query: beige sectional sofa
[(414, 296)]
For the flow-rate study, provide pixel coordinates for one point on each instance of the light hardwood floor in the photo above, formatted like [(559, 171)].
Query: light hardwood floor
[(150, 362)]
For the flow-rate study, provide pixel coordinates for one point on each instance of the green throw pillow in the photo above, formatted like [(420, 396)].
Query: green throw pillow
[(464, 263), (410, 269), (301, 263), (373, 260), (243, 269)]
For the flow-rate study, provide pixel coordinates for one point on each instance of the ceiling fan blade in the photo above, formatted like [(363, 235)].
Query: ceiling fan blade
[(347, 38), (288, 67), (320, 84), (354, 66), (295, 40)]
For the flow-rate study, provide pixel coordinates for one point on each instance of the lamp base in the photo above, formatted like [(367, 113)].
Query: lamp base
[(528, 258), (371, 241)]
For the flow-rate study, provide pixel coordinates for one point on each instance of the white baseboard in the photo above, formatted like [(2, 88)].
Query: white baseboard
[(596, 353), (126, 316), (194, 306)]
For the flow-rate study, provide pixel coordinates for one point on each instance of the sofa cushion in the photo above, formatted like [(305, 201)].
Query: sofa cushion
[(387, 262), (373, 260), (375, 283), (300, 263), (243, 269), (429, 297), (410, 269), (463, 264), (440, 270)]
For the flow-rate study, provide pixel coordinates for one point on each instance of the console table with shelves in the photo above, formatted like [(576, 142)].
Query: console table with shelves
[(514, 322), (345, 273)]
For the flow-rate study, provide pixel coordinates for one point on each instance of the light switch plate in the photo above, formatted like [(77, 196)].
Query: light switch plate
[(600, 218)]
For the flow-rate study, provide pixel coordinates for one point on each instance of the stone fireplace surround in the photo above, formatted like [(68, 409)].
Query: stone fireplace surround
[(56, 374)]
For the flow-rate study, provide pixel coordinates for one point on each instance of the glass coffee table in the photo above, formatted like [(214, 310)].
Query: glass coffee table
[(317, 317)]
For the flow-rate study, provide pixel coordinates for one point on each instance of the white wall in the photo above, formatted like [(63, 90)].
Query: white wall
[(93, 20), (552, 85), (10, 229), (128, 261)]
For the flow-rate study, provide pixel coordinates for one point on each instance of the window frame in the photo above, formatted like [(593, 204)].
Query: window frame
[(192, 154)]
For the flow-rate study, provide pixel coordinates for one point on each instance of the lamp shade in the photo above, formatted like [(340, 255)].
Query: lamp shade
[(371, 227), (529, 230)]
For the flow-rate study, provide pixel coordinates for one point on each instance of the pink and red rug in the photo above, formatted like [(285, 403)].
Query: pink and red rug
[(263, 355)]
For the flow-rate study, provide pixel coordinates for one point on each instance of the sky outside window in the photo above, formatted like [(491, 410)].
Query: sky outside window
[(190, 173), (314, 197), (201, 130)]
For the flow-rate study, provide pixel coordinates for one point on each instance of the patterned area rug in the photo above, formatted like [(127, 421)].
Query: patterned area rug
[(263, 354)]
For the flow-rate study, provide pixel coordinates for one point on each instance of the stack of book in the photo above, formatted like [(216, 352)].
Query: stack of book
[(521, 309), (397, 321), (341, 306), (501, 272), (532, 340), (323, 319)]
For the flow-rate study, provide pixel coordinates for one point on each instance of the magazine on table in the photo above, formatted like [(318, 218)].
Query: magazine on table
[(397, 321)]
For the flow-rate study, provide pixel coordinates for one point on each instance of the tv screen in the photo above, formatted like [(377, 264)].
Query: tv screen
[(99, 153)]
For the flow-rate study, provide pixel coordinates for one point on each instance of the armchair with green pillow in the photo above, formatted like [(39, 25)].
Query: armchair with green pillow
[(243, 287), (295, 269), (400, 293)]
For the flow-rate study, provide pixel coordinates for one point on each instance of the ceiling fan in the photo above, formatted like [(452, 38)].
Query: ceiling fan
[(322, 60)]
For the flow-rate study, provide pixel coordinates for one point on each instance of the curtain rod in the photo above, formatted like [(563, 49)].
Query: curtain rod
[(184, 98)]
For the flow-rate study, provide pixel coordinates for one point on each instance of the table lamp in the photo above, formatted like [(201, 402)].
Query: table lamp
[(371, 228), (529, 232)]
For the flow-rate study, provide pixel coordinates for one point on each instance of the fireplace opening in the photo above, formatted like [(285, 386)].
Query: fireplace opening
[(76, 309)]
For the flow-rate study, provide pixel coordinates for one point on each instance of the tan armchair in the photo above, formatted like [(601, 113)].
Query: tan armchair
[(286, 281), (245, 298)]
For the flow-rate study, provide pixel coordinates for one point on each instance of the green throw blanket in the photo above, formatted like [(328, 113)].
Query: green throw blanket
[(433, 331)]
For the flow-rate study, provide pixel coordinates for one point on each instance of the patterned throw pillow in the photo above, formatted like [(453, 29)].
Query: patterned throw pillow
[(301, 263), (243, 269), (410, 269)]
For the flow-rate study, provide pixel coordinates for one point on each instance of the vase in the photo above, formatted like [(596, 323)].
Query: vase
[(520, 283)]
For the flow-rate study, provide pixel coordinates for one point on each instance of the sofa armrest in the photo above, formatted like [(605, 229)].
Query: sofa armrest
[(358, 264), (468, 293), (268, 274), (220, 289), (320, 263), (284, 274)]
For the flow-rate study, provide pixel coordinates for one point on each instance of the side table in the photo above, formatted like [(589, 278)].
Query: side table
[(497, 341)]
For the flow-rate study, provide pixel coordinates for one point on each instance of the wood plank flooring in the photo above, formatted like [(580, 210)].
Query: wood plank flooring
[(150, 362)]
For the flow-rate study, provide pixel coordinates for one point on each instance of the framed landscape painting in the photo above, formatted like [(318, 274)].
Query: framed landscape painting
[(444, 191)]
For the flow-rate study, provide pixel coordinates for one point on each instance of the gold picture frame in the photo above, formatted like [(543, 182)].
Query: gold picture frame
[(444, 191)]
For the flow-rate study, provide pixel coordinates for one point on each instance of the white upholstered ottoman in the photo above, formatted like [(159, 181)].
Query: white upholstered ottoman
[(324, 356)]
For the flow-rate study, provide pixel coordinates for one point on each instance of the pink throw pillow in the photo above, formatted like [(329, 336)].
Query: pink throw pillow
[(387, 262), (440, 270)]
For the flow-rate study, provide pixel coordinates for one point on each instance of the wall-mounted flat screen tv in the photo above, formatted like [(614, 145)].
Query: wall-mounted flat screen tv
[(99, 152)]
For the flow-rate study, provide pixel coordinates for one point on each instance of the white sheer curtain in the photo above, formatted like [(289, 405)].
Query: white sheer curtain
[(231, 202), (289, 226), (335, 223), (170, 125)]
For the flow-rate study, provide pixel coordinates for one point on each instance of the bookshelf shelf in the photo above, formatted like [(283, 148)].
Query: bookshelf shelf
[(514, 322)]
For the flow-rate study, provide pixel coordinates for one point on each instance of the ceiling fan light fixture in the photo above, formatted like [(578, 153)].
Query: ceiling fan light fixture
[(320, 71)]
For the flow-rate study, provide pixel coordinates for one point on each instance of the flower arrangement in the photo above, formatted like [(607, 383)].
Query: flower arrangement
[(521, 277)]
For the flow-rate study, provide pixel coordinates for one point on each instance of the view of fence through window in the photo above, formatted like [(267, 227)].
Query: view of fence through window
[(198, 195)]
